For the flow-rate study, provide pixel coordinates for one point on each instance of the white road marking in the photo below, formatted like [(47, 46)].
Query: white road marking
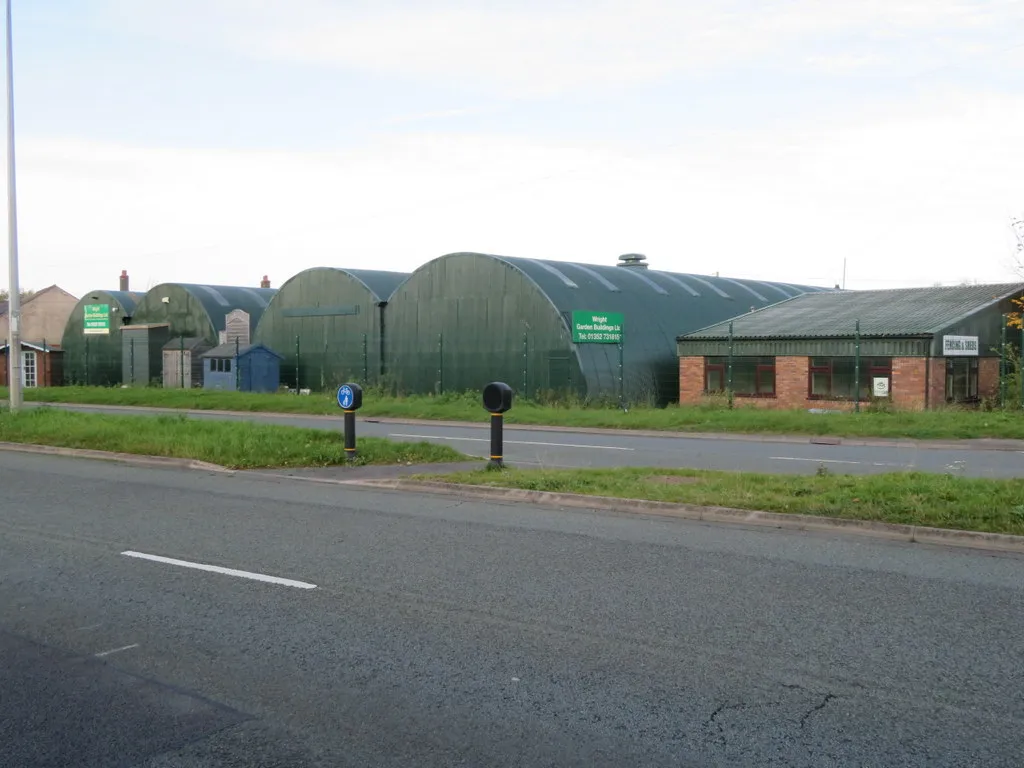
[(116, 650), (834, 461), (221, 570), (91, 626), (512, 442)]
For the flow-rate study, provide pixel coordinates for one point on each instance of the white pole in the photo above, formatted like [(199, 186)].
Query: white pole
[(14, 307)]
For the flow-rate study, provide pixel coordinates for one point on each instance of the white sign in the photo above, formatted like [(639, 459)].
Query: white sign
[(880, 386), (960, 346)]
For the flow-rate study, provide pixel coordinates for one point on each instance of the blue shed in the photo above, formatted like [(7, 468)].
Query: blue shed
[(246, 368)]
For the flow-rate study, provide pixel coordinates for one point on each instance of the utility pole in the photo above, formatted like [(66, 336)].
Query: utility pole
[(14, 301)]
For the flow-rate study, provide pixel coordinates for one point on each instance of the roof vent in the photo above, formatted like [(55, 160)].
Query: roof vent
[(634, 260)]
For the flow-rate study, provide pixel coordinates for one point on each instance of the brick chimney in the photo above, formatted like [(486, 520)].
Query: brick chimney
[(124, 280), (265, 282)]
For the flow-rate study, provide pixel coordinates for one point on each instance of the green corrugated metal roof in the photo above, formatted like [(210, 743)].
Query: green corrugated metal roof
[(895, 312), (382, 284), (218, 300)]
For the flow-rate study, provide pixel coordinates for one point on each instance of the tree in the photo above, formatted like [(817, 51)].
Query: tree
[(1016, 319), (26, 294)]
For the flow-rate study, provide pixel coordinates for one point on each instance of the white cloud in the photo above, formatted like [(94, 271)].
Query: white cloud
[(920, 197), (526, 49)]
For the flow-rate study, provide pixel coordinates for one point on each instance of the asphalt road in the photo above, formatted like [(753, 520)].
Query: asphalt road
[(541, 448), (432, 631)]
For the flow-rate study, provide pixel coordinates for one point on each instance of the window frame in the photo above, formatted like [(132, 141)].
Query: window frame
[(760, 368), (869, 372)]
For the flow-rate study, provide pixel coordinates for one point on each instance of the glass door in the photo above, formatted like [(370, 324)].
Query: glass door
[(28, 369)]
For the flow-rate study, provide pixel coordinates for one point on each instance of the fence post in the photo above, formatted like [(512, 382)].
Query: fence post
[(238, 372), (366, 363), (87, 361), (1002, 362), (181, 359), (622, 384), (526, 352), (131, 362), (298, 351), (440, 363), (1020, 361), (728, 384), (856, 367)]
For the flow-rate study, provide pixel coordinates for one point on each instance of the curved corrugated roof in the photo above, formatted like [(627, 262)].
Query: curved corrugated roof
[(127, 299), (678, 299), (381, 284), (218, 300)]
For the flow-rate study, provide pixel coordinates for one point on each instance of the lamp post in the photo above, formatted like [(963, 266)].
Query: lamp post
[(14, 300)]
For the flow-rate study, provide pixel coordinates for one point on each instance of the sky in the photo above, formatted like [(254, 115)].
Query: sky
[(215, 141)]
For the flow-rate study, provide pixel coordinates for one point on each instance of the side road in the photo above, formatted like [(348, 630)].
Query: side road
[(559, 447), (972, 444)]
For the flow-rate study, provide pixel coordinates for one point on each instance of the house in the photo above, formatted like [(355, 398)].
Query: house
[(243, 368), (43, 315), (915, 348), (41, 365)]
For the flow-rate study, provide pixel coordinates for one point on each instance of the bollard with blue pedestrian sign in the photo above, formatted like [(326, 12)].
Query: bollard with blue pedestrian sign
[(350, 398)]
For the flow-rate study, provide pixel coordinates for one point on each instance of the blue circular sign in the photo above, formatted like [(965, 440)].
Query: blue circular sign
[(345, 397)]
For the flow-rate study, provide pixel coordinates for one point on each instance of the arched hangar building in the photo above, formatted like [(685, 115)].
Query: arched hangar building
[(465, 319), (92, 337), (328, 326)]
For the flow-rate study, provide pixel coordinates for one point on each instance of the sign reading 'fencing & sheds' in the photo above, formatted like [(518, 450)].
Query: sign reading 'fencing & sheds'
[(960, 346), (597, 327)]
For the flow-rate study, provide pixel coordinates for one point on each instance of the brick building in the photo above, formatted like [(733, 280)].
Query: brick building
[(916, 348)]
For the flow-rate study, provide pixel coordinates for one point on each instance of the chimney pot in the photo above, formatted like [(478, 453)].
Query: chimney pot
[(265, 282), (124, 280)]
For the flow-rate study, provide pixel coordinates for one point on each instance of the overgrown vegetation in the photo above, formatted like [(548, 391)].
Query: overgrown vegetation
[(713, 416), (941, 501), (234, 444)]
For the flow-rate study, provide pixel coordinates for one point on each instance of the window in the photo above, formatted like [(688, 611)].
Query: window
[(751, 376), (834, 378), (961, 379), (220, 365)]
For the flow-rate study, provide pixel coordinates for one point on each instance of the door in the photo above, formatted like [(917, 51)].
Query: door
[(29, 378)]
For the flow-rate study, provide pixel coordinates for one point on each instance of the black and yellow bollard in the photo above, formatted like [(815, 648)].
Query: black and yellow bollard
[(350, 398), (497, 400)]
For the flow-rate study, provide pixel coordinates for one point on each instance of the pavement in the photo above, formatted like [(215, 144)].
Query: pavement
[(568, 448), (263, 621)]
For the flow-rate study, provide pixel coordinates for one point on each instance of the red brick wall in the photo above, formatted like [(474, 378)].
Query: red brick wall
[(988, 377), (691, 379), (909, 382)]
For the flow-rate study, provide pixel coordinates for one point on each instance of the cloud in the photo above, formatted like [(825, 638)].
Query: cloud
[(541, 49), (921, 196)]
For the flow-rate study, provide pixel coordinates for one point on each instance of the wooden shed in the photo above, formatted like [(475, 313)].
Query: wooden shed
[(183, 363), (249, 368)]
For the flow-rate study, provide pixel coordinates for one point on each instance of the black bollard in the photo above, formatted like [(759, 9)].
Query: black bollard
[(497, 400), (350, 398)]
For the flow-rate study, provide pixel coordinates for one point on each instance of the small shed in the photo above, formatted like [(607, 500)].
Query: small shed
[(142, 353), (183, 363), (243, 368), (41, 365)]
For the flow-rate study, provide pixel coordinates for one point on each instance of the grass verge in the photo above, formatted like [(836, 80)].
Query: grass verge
[(234, 444), (945, 424), (941, 501)]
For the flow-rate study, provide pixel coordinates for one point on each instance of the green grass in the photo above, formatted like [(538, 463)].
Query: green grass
[(234, 444), (941, 501), (939, 424)]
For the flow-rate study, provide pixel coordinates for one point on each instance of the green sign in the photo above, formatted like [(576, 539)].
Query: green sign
[(97, 319), (597, 327)]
